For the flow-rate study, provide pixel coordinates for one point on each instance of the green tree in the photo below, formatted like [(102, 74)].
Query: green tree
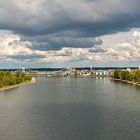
[(8, 78), (117, 74)]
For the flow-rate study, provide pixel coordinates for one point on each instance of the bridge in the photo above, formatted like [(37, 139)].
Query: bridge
[(58, 73), (71, 72)]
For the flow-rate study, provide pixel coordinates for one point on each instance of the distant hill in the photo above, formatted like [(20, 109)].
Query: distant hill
[(78, 68)]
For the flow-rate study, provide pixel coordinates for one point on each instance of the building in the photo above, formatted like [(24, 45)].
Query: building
[(128, 69), (23, 69)]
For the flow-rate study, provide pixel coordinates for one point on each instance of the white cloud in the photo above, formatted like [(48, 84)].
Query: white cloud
[(13, 48)]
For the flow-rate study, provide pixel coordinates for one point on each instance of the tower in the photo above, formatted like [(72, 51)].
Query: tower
[(91, 68), (23, 69)]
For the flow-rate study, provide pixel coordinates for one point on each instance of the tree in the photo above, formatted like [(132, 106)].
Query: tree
[(117, 74), (8, 79), (126, 75)]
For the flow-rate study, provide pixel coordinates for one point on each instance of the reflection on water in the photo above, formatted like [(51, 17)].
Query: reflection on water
[(71, 109)]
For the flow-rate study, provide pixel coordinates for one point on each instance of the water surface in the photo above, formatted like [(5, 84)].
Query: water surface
[(71, 109)]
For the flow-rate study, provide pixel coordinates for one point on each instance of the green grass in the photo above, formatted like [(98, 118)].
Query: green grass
[(15, 86)]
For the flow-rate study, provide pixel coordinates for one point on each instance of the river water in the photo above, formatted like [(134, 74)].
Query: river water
[(71, 109)]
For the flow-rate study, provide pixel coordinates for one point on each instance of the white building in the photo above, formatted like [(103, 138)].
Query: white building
[(128, 69), (23, 69)]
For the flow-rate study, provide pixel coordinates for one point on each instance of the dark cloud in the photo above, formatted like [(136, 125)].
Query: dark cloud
[(45, 16), (73, 22), (97, 50), (58, 43), (23, 57)]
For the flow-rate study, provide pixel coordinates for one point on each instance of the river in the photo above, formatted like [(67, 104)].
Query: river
[(71, 109)]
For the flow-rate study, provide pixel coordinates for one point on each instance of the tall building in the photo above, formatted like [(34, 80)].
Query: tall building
[(23, 69), (91, 68)]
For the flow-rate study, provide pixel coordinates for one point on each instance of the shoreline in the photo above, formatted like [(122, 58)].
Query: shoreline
[(126, 81), (17, 85)]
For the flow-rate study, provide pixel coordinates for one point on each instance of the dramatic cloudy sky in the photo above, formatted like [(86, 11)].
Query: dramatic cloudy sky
[(69, 33)]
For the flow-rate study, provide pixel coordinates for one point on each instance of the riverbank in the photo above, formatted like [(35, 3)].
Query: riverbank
[(18, 85), (126, 81)]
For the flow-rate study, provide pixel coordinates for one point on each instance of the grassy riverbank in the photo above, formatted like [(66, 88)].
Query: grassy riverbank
[(126, 81), (10, 80), (16, 86), (130, 77)]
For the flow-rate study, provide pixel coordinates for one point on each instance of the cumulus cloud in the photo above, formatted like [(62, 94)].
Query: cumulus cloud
[(97, 50), (57, 43), (85, 16), (126, 51), (13, 48), (62, 30)]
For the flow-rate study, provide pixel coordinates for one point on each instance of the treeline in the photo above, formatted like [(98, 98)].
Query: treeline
[(133, 75), (8, 78)]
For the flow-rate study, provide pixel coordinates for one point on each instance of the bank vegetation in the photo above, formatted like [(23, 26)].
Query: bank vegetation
[(132, 76), (8, 78)]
